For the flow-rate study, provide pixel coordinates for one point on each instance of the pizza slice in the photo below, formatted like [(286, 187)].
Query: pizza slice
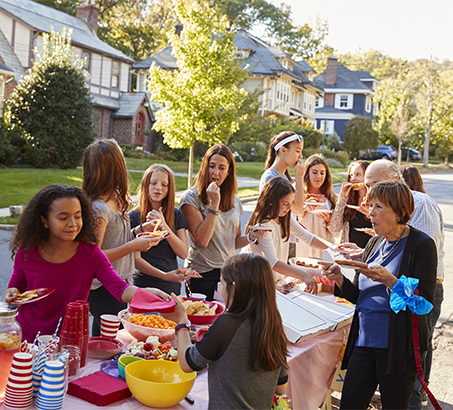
[(188, 273)]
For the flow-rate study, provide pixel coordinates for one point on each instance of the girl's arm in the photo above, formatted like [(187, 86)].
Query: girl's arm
[(141, 244), (241, 240), (182, 337), (299, 199), (336, 223), (307, 237), (148, 269), (281, 389), (129, 293), (200, 229)]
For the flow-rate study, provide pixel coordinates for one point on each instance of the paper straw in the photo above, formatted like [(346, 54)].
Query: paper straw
[(36, 337), (187, 285), (58, 327)]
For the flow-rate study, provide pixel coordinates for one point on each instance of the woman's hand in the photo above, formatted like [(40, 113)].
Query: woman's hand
[(154, 216), (160, 293), (174, 276), (378, 273), (332, 271), (10, 294), (310, 281), (325, 215), (345, 189), (143, 243), (213, 192), (180, 314)]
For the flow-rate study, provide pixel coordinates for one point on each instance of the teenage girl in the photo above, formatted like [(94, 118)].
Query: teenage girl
[(273, 210), (54, 246), (246, 347), (213, 212), (285, 151), (157, 202), (348, 220), (106, 182), (318, 187)]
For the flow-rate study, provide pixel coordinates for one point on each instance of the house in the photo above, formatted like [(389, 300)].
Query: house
[(116, 112), (347, 93), (287, 85)]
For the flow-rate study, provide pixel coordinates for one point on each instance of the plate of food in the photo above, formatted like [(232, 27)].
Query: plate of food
[(202, 312), (154, 234), (351, 264), (304, 262), (188, 273), (312, 202), (369, 231), (260, 228), (320, 211), (353, 207), (31, 296)]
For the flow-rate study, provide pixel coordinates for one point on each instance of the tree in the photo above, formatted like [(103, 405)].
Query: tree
[(359, 135), (52, 106), (202, 98)]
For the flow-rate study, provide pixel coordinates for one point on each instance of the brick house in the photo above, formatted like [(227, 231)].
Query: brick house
[(116, 112), (347, 93)]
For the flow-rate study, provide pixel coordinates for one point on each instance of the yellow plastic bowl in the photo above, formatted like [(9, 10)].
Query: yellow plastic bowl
[(158, 383)]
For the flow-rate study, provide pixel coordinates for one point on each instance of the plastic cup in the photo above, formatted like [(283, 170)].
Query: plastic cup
[(110, 325), (197, 296)]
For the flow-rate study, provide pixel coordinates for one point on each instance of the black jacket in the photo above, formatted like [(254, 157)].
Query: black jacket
[(419, 261)]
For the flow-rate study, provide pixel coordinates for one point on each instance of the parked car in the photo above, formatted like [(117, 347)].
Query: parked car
[(382, 152), (413, 154)]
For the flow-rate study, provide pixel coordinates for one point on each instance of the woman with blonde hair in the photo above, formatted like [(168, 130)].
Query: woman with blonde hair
[(157, 202)]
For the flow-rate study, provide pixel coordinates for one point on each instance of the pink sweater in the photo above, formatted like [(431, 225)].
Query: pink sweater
[(71, 280)]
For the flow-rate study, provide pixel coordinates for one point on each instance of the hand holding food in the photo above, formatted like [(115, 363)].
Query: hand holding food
[(299, 170), (10, 294), (180, 314), (333, 272), (144, 241), (378, 273), (213, 192), (188, 273)]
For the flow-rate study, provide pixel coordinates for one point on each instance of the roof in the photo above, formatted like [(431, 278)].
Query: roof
[(306, 68), (106, 102), (42, 18), (163, 58), (263, 59), (130, 103), (9, 57), (346, 79)]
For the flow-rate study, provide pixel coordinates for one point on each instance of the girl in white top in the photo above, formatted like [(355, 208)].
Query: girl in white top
[(285, 151), (273, 210), (318, 188)]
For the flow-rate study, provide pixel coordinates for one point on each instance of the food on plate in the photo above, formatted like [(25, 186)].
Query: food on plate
[(324, 284), (369, 231), (343, 301), (152, 349), (260, 227), (308, 265), (28, 295), (154, 234), (187, 272), (356, 207), (198, 307), (286, 284), (352, 264), (154, 321)]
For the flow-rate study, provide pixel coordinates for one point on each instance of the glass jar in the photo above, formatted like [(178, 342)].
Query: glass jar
[(10, 338)]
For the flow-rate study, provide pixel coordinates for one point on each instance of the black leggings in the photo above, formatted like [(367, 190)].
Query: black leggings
[(101, 301), (367, 370), (206, 285)]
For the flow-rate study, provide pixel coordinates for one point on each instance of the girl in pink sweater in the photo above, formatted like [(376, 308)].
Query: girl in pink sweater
[(54, 246)]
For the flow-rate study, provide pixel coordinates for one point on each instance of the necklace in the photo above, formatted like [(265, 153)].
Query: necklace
[(392, 248)]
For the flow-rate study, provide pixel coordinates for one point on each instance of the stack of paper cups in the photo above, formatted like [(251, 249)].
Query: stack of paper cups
[(19, 389), (51, 392), (109, 325)]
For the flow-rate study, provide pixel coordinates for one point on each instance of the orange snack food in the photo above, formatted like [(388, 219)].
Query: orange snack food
[(153, 321)]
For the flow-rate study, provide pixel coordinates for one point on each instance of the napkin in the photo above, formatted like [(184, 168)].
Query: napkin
[(99, 388), (144, 301)]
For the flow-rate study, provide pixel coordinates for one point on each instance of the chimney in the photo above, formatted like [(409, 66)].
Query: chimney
[(331, 72), (178, 29), (88, 13)]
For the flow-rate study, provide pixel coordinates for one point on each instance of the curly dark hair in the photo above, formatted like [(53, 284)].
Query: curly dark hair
[(30, 231)]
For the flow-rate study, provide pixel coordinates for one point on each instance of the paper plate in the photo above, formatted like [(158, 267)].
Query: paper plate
[(103, 347), (110, 367), (42, 293)]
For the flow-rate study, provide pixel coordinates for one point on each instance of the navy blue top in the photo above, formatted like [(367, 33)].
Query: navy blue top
[(373, 305)]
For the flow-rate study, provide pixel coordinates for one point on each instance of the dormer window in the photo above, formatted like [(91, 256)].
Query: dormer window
[(344, 101), (241, 54), (115, 74), (87, 56)]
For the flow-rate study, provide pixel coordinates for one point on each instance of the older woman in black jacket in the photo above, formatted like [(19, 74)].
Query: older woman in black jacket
[(380, 349)]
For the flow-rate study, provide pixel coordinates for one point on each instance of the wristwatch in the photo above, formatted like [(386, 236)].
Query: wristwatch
[(182, 326)]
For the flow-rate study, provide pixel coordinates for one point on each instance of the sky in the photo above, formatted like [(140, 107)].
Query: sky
[(398, 28)]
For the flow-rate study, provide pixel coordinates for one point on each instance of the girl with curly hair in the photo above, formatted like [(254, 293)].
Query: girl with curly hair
[(54, 245)]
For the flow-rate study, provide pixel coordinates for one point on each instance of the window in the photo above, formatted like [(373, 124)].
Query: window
[(116, 74), (368, 103), (344, 101), (87, 56), (139, 128), (319, 102), (327, 127)]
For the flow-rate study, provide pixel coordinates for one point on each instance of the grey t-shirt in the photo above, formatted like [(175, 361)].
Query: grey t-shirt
[(232, 382), (268, 175), (117, 232), (222, 243)]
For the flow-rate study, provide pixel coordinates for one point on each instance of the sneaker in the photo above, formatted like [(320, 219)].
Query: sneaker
[(424, 397)]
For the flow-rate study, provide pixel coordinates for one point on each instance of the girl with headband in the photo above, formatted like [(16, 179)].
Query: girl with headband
[(285, 151)]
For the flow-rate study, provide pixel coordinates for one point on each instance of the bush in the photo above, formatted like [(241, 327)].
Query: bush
[(10, 147), (250, 151), (333, 163), (340, 156)]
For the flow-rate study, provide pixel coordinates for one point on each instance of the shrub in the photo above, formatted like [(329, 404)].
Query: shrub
[(333, 163)]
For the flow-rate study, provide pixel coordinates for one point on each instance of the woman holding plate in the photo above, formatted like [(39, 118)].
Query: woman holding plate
[(380, 349)]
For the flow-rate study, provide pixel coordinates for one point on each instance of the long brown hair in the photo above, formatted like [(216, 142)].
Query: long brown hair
[(168, 203), (326, 187), (228, 188), (268, 204), (105, 173), (31, 232), (254, 298), (412, 178), (272, 154), (354, 196)]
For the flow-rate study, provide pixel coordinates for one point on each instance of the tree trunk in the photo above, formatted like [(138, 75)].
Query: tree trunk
[(400, 144), (189, 178), (426, 147)]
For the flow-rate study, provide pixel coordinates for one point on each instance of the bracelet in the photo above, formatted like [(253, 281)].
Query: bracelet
[(182, 326), (212, 211), (249, 239), (134, 235)]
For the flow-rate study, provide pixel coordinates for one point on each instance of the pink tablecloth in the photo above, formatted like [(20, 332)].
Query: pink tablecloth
[(312, 366)]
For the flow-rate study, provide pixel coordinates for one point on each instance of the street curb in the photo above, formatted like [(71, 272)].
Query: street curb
[(7, 227)]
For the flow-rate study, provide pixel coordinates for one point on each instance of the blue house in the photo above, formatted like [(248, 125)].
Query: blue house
[(346, 94)]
